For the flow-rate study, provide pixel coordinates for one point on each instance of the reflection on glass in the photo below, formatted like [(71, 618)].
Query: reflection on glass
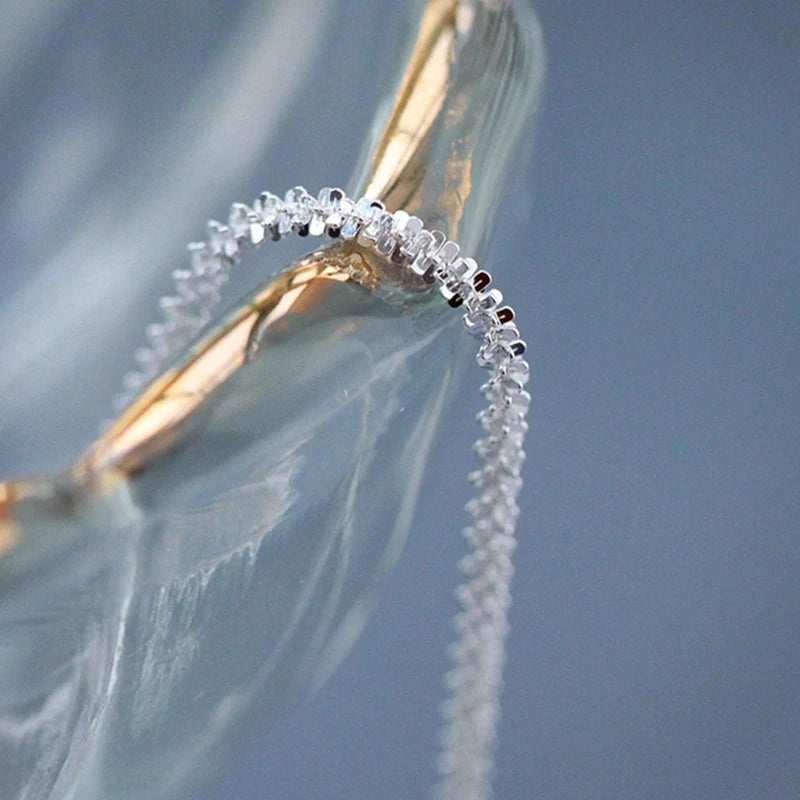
[(221, 543)]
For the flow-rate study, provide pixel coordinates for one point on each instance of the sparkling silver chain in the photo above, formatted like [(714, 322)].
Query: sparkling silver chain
[(474, 681)]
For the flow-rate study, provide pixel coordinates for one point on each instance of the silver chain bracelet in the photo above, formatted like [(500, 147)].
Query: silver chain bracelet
[(474, 681)]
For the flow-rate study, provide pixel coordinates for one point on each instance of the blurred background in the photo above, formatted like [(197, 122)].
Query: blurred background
[(650, 245)]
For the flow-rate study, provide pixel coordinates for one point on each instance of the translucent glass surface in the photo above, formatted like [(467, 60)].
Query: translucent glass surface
[(137, 625), (143, 609)]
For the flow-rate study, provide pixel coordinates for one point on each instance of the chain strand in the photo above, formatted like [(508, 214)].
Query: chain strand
[(474, 682)]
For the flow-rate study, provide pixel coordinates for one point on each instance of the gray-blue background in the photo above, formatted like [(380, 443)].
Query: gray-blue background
[(652, 247)]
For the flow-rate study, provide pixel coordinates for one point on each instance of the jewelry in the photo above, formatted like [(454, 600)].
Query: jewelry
[(474, 681)]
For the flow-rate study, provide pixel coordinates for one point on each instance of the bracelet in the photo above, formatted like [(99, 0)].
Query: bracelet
[(474, 682)]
